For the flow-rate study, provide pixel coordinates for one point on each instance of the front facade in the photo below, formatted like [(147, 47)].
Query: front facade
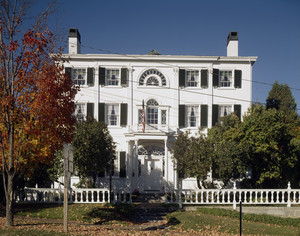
[(146, 100)]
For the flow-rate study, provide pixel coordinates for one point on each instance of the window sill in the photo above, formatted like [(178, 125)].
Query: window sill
[(112, 86), (194, 88), (225, 88)]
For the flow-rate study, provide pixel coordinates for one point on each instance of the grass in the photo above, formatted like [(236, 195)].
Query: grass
[(209, 219), (227, 221), (89, 213)]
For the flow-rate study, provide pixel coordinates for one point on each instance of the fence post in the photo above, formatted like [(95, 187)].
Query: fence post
[(234, 197), (289, 192)]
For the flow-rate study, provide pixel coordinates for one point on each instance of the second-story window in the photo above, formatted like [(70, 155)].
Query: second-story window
[(112, 77), (225, 79), (79, 76), (192, 78)]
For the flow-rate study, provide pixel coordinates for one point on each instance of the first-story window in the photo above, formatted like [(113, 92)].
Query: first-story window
[(118, 167), (192, 78), (112, 77), (80, 112), (225, 79), (112, 114), (192, 116), (79, 76), (225, 110)]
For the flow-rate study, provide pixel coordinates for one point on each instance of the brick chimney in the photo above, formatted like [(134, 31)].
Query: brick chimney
[(74, 41), (232, 44)]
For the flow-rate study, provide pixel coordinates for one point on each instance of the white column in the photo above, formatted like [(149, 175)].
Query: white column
[(166, 160), (136, 142)]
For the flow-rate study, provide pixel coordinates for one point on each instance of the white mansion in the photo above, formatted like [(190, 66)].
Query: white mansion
[(179, 92)]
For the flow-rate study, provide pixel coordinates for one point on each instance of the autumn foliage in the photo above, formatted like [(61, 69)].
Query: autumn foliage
[(36, 102), (37, 98)]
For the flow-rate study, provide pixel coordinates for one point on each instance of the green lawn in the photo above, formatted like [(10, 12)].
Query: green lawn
[(211, 219), (228, 221), (89, 213)]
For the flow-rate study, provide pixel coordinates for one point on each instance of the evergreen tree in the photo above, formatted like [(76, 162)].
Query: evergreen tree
[(280, 97)]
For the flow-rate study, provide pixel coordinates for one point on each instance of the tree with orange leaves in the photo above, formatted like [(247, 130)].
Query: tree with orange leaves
[(37, 98)]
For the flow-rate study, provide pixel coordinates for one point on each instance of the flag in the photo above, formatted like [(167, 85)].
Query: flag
[(144, 118)]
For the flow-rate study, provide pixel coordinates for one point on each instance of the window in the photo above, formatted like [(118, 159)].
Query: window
[(112, 77), (152, 81), (152, 77), (119, 166), (225, 79), (112, 114), (192, 116), (163, 117), (152, 112), (225, 110), (155, 116), (80, 112), (79, 76), (192, 78)]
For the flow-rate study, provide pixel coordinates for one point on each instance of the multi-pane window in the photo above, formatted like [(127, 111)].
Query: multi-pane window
[(225, 110), (225, 78), (192, 116), (112, 114), (152, 112), (112, 77), (80, 112), (140, 116), (152, 81), (163, 117), (192, 78), (79, 76)]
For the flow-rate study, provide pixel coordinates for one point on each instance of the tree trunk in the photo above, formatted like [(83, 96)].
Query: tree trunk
[(9, 201)]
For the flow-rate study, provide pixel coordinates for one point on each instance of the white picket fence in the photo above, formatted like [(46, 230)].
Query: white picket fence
[(234, 196), (87, 195)]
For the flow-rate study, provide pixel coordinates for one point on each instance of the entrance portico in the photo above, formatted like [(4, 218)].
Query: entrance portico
[(149, 163)]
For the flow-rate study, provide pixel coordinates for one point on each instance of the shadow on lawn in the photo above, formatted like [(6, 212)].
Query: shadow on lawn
[(109, 213)]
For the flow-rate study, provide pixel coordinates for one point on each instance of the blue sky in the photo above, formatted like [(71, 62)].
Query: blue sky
[(269, 29)]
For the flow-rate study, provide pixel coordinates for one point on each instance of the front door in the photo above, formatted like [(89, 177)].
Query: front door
[(153, 174)]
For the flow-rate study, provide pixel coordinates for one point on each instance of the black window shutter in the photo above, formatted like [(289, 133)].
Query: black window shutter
[(124, 74), (68, 71), (124, 108), (237, 78), (215, 77), (204, 78), (237, 110), (101, 112), (215, 114), (181, 121), (181, 78), (122, 165), (90, 76), (204, 115), (101, 76), (90, 110)]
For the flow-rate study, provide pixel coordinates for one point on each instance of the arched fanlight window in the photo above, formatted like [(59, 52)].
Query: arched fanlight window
[(152, 81), (152, 102), (152, 77)]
